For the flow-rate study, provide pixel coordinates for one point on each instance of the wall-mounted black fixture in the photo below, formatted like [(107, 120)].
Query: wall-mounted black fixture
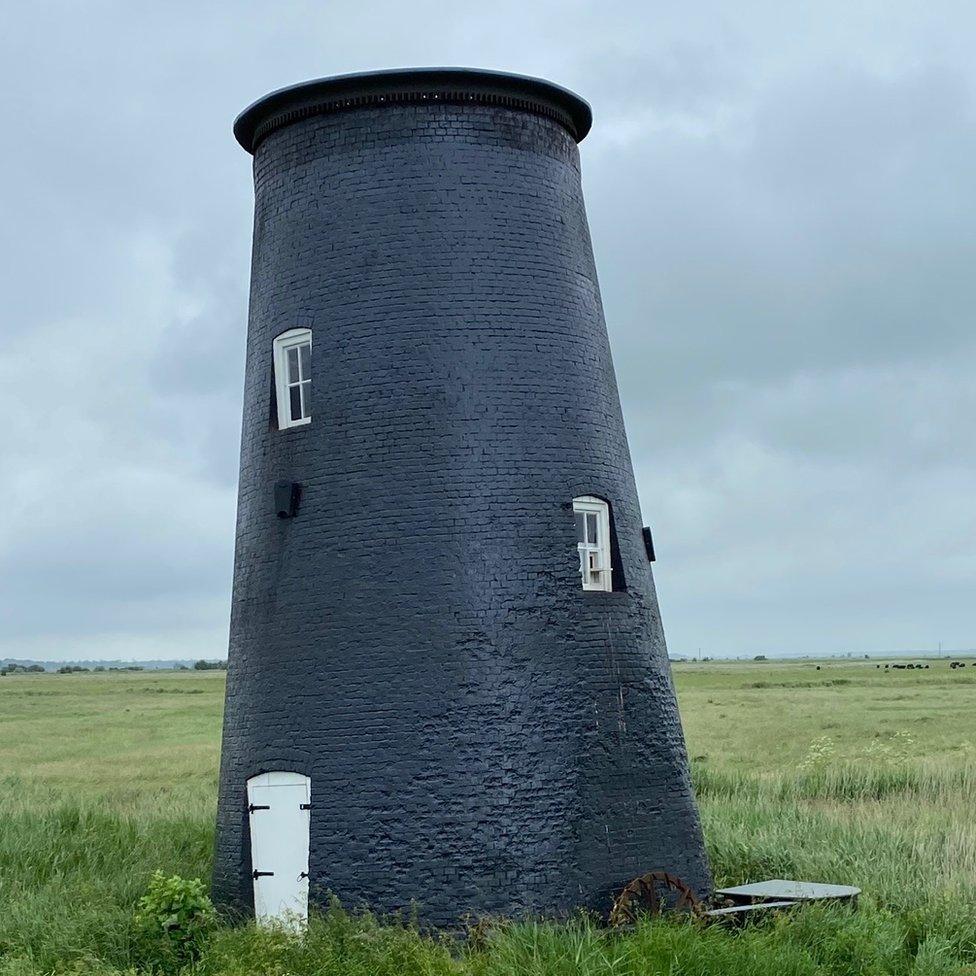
[(648, 544), (287, 495)]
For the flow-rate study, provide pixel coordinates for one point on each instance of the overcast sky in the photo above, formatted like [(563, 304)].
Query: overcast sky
[(783, 209)]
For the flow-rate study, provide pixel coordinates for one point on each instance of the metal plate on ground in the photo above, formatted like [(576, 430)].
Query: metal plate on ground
[(779, 889), (739, 912)]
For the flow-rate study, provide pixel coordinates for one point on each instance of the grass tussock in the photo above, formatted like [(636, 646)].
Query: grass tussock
[(851, 782)]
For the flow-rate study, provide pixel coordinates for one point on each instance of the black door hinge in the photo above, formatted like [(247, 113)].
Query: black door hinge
[(304, 806), (262, 874), (257, 806), (304, 874)]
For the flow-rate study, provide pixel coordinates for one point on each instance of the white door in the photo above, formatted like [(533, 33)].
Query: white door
[(278, 809)]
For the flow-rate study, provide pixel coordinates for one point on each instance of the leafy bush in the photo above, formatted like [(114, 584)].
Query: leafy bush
[(174, 917)]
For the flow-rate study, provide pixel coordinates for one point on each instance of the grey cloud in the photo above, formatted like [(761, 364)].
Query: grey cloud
[(782, 206)]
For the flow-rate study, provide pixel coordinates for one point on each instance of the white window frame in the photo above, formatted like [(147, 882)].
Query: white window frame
[(594, 557), (290, 340)]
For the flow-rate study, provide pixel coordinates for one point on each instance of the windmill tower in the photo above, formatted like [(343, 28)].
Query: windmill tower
[(448, 683)]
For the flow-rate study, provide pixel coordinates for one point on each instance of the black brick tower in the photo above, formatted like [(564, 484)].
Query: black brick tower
[(482, 735)]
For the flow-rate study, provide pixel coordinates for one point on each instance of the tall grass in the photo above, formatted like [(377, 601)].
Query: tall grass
[(84, 822), (937, 782), (70, 876)]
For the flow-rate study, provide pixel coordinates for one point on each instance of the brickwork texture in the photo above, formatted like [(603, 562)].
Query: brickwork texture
[(482, 736)]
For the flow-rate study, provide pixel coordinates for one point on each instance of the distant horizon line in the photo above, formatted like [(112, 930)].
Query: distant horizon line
[(162, 664), (837, 656)]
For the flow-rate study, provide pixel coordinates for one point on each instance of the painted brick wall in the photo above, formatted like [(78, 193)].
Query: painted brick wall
[(481, 734)]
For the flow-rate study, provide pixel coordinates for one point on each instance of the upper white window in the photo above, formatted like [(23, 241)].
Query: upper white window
[(593, 541), (293, 377)]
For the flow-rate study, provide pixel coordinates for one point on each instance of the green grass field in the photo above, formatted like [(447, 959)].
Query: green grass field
[(848, 774)]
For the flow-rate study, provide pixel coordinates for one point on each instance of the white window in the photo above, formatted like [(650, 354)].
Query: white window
[(593, 541), (293, 377)]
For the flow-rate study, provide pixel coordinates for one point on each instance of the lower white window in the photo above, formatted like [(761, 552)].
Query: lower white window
[(293, 377), (593, 542)]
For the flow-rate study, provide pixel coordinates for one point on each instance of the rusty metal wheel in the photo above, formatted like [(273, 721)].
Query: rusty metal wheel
[(649, 895)]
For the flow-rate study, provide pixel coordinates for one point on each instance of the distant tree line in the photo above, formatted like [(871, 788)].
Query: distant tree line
[(101, 669), (21, 669)]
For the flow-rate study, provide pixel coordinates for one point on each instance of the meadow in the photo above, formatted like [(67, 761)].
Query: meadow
[(849, 773)]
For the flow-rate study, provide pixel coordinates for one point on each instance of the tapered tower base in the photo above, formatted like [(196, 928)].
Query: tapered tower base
[(479, 733)]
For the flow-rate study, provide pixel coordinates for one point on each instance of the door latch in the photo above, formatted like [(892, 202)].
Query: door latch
[(304, 874), (304, 806), (257, 806), (262, 874)]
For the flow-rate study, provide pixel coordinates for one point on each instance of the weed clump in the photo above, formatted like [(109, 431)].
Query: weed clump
[(173, 919)]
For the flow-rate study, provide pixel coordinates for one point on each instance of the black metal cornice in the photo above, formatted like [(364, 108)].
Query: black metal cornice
[(411, 86)]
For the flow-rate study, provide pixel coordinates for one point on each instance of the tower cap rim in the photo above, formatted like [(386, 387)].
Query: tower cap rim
[(399, 85)]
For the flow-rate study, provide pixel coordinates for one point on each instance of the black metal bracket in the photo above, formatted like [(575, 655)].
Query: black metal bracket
[(262, 874), (287, 496), (648, 544), (304, 874), (304, 806), (257, 806)]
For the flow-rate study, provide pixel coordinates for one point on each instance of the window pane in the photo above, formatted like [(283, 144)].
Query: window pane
[(295, 396), (591, 527), (580, 527), (306, 360), (307, 398), (293, 376)]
